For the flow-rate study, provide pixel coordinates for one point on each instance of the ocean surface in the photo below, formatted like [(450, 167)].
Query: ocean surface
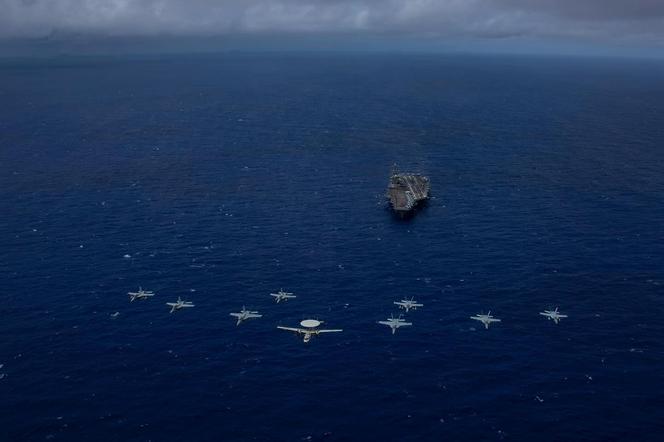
[(222, 178)]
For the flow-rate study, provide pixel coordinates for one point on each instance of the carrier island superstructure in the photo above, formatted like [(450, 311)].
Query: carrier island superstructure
[(406, 190)]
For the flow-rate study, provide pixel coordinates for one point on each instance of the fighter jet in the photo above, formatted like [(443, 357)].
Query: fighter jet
[(408, 304), (282, 296), (395, 323), (309, 329), (175, 306), (553, 315), (245, 314), (140, 294), (485, 319)]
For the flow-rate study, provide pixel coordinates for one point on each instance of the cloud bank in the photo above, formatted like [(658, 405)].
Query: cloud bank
[(640, 20)]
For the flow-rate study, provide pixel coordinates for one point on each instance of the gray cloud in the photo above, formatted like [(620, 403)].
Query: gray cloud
[(586, 19), (593, 10)]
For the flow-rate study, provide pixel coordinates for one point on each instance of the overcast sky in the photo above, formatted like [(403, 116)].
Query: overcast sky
[(632, 21)]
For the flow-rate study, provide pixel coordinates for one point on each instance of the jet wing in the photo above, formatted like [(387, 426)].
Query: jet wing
[(386, 323), (237, 315), (401, 324), (188, 305), (171, 304), (329, 331), (254, 315)]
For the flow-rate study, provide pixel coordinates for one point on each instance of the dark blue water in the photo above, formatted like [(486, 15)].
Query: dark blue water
[(224, 178)]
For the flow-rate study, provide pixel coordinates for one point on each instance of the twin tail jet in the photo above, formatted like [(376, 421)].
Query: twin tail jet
[(395, 323), (179, 304), (408, 304), (282, 296), (140, 294), (553, 315), (245, 314), (485, 319)]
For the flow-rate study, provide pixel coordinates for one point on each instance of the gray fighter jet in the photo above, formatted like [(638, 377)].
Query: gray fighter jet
[(395, 323), (179, 304), (485, 319), (408, 304), (245, 314), (282, 296), (553, 315), (140, 294)]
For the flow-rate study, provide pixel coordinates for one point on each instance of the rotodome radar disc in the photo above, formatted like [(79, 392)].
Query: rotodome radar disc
[(310, 323)]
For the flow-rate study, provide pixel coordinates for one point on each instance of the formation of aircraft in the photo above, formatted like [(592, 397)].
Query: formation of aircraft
[(140, 294), (245, 314), (485, 319), (408, 304), (309, 328), (404, 304), (282, 296), (179, 304), (553, 315), (395, 323)]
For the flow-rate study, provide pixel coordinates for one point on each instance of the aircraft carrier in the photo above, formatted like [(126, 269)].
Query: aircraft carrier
[(406, 191)]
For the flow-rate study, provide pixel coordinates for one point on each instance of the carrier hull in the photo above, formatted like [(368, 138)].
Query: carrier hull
[(406, 191)]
